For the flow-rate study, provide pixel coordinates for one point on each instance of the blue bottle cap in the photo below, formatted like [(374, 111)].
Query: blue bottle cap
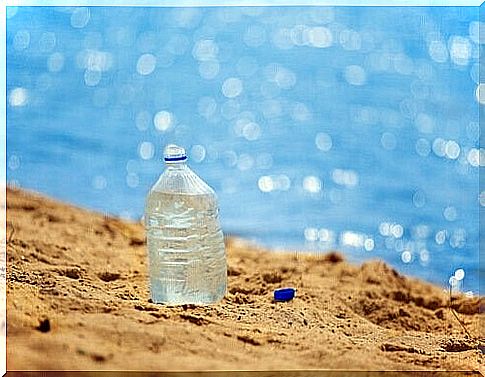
[(284, 294), (173, 153)]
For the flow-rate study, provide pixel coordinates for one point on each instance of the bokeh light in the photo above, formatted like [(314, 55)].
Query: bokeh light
[(355, 75), (18, 97), (146, 64), (163, 120)]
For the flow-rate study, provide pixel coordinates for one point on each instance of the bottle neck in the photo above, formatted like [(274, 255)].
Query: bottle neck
[(174, 166)]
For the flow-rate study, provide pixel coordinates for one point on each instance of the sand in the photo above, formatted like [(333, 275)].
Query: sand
[(78, 298)]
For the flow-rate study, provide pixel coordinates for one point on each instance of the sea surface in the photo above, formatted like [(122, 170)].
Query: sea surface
[(350, 128)]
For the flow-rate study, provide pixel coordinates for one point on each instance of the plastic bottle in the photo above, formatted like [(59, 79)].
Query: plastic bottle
[(187, 259)]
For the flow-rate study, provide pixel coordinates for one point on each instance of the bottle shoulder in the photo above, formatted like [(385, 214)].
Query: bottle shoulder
[(182, 181)]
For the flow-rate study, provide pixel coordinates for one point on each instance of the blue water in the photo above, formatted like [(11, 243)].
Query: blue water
[(320, 128)]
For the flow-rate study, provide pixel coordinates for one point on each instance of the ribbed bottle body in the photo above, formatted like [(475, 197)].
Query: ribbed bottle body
[(187, 261)]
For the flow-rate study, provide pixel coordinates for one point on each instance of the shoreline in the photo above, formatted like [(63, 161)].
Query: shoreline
[(77, 298)]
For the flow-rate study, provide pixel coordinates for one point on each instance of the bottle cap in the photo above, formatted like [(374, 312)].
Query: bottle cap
[(284, 294), (174, 153)]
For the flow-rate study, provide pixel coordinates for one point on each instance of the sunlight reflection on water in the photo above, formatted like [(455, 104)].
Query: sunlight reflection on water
[(319, 127)]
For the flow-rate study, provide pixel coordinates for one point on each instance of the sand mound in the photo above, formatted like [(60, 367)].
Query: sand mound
[(77, 298)]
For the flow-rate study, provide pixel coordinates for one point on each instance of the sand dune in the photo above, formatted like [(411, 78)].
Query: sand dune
[(77, 298)]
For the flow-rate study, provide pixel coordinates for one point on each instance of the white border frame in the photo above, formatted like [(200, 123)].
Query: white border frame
[(3, 192), (142, 3), (218, 3)]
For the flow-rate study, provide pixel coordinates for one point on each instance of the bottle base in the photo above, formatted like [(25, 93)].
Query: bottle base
[(176, 300)]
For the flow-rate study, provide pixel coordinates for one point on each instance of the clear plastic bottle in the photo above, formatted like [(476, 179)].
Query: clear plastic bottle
[(187, 259)]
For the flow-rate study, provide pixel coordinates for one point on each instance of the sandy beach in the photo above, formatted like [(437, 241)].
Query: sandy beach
[(77, 298)]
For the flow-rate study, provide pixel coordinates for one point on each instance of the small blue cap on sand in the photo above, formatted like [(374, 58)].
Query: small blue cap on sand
[(284, 294)]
